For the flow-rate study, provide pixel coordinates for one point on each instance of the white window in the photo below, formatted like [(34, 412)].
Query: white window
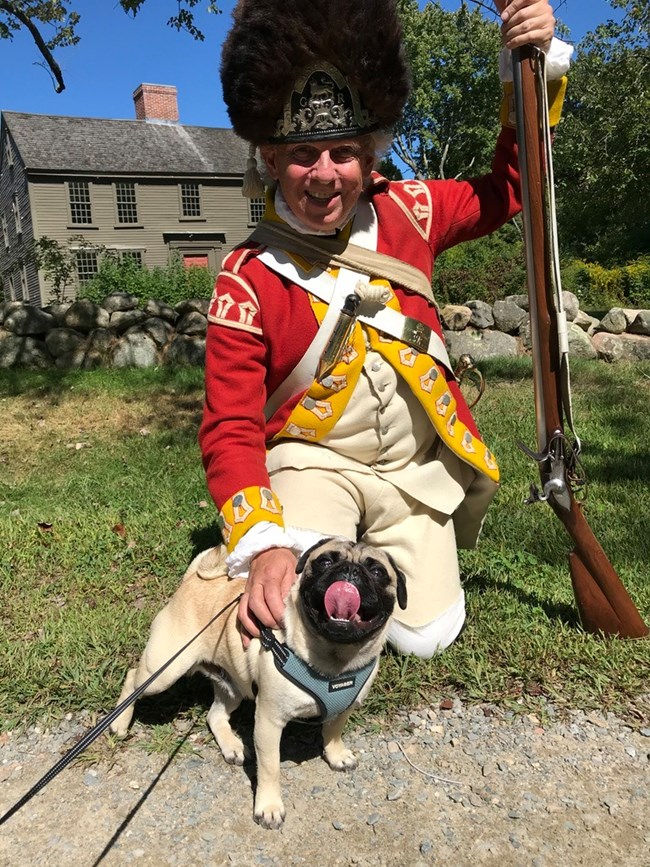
[(15, 207), (256, 210), (12, 288), (24, 292), (9, 154), (190, 200), (126, 203), (87, 265), (5, 231), (79, 200), (135, 255)]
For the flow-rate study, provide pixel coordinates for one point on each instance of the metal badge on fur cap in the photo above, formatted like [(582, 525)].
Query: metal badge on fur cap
[(296, 71), (323, 105)]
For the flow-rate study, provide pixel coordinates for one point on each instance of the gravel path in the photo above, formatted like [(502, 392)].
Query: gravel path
[(516, 791)]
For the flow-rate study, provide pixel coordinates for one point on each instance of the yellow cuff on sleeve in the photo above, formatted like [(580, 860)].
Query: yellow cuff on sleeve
[(555, 91), (246, 508)]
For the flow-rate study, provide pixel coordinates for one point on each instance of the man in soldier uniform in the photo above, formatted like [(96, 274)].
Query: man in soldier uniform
[(331, 407)]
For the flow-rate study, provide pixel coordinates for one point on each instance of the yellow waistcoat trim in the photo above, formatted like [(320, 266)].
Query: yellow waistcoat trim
[(324, 403)]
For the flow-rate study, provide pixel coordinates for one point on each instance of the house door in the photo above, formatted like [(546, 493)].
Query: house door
[(199, 260)]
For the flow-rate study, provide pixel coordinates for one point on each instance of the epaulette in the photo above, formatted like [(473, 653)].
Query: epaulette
[(414, 198), (236, 258)]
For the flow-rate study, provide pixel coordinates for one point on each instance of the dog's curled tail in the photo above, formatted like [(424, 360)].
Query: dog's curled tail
[(209, 564)]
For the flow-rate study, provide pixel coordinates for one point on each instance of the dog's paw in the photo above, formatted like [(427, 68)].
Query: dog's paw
[(236, 754), (270, 816), (119, 729), (339, 757), (230, 744)]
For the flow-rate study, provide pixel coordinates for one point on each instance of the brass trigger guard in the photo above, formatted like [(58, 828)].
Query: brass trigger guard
[(466, 367)]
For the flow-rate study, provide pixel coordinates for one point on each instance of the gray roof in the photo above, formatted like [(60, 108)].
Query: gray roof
[(85, 144)]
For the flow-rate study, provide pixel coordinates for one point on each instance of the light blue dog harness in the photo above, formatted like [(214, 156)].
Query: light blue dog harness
[(333, 695)]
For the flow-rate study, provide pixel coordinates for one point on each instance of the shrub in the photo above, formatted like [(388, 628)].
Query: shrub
[(171, 284), (483, 270), (600, 288)]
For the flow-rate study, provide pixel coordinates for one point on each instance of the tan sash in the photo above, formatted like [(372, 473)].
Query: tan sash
[(329, 251)]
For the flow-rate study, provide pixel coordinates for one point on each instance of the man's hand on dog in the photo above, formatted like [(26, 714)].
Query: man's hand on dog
[(271, 575)]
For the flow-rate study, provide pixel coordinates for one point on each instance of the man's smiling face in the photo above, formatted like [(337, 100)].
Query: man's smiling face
[(321, 181)]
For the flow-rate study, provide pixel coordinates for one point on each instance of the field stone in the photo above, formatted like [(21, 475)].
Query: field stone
[(85, 315), (122, 320), (161, 310), (481, 344), (571, 305), (586, 322), (508, 316), (120, 301), (614, 321), (61, 341), (184, 349), (481, 314), (26, 352), (7, 307), (192, 323), (455, 317), (57, 311), (27, 321), (75, 359), (630, 314), (520, 300), (580, 345), (192, 305), (135, 349), (100, 341), (158, 329), (621, 347), (641, 323)]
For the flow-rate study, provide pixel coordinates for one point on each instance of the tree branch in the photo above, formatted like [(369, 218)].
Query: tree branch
[(11, 9), (400, 149), (483, 6)]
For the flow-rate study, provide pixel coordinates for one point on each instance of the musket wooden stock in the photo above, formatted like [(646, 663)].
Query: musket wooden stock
[(602, 601)]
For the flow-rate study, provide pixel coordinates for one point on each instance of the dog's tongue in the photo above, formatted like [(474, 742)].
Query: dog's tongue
[(342, 600)]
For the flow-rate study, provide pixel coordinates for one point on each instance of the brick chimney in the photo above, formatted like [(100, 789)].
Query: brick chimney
[(156, 102)]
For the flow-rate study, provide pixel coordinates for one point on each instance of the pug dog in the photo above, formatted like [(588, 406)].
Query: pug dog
[(336, 619)]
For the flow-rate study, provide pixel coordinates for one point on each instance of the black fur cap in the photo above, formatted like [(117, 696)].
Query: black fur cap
[(272, 42)]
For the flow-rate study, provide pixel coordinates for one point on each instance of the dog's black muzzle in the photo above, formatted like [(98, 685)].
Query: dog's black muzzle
[(344, 601)]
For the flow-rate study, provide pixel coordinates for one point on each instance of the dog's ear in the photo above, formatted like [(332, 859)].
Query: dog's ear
[(300, 565), (402, 595)]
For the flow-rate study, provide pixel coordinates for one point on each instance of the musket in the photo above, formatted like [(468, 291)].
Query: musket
[(603, 603)]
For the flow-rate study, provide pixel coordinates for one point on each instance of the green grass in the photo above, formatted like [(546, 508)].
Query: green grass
[(103, 503)]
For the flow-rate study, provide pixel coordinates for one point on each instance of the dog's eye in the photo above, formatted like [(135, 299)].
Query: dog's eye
[(325, 561), (376, 569)]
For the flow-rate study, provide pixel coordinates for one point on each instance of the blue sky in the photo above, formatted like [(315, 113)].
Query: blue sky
[(117, 53)]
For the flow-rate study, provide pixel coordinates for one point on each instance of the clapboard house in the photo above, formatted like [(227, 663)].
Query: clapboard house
[(150, 188)]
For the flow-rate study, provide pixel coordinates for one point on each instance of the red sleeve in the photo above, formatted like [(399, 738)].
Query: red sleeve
[(464, 210), (232, 434)]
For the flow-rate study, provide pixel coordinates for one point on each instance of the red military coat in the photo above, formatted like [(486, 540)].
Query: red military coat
[(261, 325)]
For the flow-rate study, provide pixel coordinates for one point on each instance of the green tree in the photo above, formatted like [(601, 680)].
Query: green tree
[(58, 262), (602, 150), (183, 20), (59, 21), (451, 120), (35, 16)]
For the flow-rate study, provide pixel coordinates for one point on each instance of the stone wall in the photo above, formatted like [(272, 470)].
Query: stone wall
[(120, 333), (115, 333), (503, 329)]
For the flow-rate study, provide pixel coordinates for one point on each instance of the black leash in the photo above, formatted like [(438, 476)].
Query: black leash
[(93, 734)]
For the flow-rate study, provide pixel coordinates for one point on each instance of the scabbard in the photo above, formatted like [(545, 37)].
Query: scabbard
[(339, 339)]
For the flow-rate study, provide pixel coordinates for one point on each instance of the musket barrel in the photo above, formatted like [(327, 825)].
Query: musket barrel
[(602, 600)]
